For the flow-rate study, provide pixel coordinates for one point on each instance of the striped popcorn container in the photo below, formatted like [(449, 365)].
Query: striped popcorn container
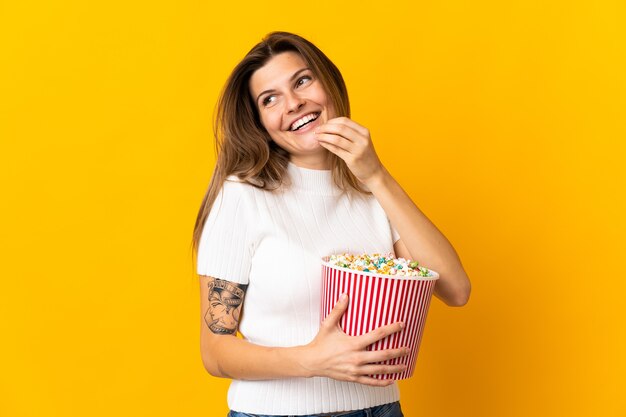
[(376, 300)]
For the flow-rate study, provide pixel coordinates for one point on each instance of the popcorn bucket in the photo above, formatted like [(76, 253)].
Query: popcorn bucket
[(376, 300)]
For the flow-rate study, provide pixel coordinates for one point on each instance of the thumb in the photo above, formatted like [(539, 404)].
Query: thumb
[(340, 307)]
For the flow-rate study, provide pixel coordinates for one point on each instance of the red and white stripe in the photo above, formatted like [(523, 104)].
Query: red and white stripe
[(378, 300)]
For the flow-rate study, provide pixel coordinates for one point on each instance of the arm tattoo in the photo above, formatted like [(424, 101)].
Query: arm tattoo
[(225, 302)]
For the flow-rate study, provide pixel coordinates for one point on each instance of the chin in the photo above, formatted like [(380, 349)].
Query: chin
[(307, 142)]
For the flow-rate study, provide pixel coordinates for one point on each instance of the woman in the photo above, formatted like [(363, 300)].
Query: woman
[(296, 179)]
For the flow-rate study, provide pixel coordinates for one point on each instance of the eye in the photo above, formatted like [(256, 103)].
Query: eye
[(266, 101), (302, 78)]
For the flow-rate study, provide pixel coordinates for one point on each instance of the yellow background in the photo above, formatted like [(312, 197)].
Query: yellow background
[(505, 121)]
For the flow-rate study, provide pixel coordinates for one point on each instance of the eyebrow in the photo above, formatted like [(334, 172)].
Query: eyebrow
[(293, 77)]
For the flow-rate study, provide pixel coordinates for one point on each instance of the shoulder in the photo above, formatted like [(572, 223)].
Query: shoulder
[(233, 209), (234, 182), (235, 192), (234, 187)]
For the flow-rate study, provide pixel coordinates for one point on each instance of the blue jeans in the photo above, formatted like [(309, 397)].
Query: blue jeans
[(385, 410)]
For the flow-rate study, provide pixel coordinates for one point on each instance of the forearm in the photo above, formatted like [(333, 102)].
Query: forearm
[(228, 356), (424, 242)]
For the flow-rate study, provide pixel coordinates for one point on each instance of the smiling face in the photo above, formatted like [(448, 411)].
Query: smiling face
[(292, 102)]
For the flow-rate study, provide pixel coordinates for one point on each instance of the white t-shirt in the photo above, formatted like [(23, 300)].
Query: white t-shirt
[(274, 242)]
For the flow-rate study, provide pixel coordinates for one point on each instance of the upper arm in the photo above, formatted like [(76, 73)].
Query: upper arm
[(221, 304), (229, 235), (401, 251)]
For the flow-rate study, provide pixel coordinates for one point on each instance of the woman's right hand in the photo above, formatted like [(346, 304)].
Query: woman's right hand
[(334, 354)]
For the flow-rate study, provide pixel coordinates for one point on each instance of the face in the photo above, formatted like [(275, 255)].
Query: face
[(292, 103)]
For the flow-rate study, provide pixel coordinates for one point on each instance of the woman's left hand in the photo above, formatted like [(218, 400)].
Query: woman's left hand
[(351, 142)]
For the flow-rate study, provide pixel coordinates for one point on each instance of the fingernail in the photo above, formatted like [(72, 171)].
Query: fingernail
[(343, 297), (402, 325)]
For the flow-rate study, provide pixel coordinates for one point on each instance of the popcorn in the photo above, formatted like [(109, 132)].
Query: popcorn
[(380, 264)]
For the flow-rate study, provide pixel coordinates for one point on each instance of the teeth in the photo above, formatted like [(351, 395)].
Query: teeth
[(298, 123)]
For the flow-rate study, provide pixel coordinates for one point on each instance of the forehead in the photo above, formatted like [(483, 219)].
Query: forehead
[(276, 71)]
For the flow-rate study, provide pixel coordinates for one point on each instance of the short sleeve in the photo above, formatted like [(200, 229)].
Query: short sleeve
[(225, 248)]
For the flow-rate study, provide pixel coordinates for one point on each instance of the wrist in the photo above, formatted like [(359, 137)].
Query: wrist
[(378, 179), (302, 361)]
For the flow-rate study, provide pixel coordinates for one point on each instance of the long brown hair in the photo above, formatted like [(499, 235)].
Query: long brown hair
[(243, 146)]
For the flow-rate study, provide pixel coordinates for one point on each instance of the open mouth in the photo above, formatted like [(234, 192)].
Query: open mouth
[(299, 124)]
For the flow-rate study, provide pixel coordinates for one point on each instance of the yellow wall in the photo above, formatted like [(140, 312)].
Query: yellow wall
[(505, 121)]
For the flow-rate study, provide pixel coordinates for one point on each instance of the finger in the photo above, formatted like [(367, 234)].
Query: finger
[(368, 380), (338, 141), (375, 356), (340, 307), (350, 123), (336, 150), (339, 129), (383, 369), (382, 332)]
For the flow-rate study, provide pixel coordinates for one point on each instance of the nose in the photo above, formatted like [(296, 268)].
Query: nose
[(294, 102)]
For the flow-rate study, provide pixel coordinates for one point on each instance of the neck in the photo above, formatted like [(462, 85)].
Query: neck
[(311, 180), (319, 161)]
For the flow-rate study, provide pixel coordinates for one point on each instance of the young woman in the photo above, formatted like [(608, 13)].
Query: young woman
[(296, 179)]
